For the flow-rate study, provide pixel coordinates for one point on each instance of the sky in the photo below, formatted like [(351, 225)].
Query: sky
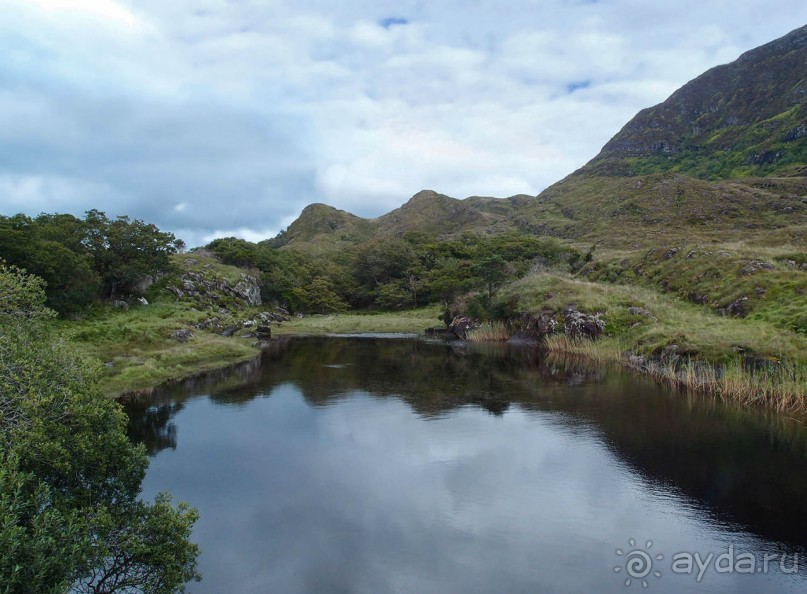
[(214, 118)]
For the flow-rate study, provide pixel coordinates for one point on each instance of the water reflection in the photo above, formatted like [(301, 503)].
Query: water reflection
[(512, 469)]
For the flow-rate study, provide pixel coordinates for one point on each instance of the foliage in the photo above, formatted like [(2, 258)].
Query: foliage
[(317, 297), (393, 273), (235, 251), (124, 251), (80, 260), (69, 476), (21, 295), (50, 247)]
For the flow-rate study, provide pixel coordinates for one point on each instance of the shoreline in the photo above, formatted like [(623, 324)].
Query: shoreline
[(697, 378), (134, 368), (778, 387)]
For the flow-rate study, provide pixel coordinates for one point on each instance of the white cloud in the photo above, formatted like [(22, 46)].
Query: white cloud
[(203, 116), (106, 11), (34, 194)]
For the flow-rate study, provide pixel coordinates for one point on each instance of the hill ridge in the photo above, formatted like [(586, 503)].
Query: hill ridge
[(725, 153)]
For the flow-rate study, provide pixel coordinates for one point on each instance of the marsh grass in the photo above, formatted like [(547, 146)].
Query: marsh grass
[(490, 332), (602, 351), (778, 384)]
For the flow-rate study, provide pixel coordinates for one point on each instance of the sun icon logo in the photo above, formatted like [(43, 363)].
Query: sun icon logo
[(638, 563)]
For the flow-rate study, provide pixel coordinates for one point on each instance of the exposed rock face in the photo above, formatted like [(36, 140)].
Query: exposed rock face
[(754, 106), (460, 326), (278, 315), (536, 327), (196, 285), (577, 324), (248, 290)]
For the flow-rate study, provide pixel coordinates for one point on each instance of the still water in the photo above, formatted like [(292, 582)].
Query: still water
[(375, 465)]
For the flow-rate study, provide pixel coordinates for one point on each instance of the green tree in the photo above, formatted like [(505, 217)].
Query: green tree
[(124, 251), (70, 517), (492, 271), (381, 261), (50, 247), (393, 295), (318, 297), (235, 251)]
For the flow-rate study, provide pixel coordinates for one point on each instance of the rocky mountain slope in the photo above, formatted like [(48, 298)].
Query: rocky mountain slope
[(748, 117), (724, 158)]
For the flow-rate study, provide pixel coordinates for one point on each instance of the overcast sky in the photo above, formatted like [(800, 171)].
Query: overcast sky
[(227, 117)]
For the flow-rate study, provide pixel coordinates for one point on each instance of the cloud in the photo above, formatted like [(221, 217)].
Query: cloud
[(105, 11), (392, 22), (245, 112)]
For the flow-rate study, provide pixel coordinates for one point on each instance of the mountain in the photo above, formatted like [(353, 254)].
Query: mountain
[(723, 158), (320, 225), (748, 117)]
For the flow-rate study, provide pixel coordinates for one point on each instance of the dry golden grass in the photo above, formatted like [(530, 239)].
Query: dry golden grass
[(490, 332), (781, 385)]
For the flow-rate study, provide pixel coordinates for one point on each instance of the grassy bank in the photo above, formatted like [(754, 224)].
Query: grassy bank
[(780, 384), (696, 330), (679, 343), (767, 284), (138, 352), (410, 321)]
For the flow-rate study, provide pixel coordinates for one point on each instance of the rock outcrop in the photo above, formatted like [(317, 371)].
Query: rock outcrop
[(460, 326), (200, 286), (536, 327), (182, 335), (577, 324)]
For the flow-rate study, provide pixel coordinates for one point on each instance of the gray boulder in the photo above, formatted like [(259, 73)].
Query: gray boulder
[(182, 335), (577, 324)]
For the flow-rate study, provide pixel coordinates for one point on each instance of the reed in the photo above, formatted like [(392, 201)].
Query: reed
[(778, 384), (599, 350), (489, 332)]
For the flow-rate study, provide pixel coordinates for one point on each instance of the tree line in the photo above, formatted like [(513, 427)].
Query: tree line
[(392, 273), (82, 260)]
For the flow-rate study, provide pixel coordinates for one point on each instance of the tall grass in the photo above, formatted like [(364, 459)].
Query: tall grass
[(781, 385), (599, 350), (489, 332)]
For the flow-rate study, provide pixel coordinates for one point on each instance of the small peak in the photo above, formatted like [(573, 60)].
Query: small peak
[(317, 206), (426, 196)]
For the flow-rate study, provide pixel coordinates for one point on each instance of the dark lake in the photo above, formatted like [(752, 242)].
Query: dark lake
[(376, 465)]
